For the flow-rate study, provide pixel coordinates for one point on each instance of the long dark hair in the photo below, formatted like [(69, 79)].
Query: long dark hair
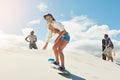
[(49, 15)]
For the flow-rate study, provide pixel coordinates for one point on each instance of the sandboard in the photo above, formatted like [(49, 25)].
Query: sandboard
[(63, 73), (51, 60)]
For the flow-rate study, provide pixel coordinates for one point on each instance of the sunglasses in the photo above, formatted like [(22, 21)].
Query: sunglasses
[(48, 19)]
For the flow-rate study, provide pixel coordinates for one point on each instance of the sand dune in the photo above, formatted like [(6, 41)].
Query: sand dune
[(33, 65)]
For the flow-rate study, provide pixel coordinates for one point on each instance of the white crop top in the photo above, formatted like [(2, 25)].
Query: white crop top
[(57, 25)]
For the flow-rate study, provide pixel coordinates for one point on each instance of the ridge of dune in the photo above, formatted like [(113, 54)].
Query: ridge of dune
[(33, 65)]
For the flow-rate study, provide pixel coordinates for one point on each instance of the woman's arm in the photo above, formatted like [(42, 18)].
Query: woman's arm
[(45, 46), (27, 39), (49, 36)]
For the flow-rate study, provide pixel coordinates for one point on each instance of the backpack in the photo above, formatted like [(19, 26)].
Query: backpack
[(111, 45)]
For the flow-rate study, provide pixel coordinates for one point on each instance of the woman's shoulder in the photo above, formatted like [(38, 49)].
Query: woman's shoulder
[(57, 23)]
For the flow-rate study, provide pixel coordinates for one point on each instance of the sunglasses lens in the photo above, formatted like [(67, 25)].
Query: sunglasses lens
[(48, 19)]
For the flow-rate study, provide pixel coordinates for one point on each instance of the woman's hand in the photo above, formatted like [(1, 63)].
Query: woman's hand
[(56, 30), (45, 46)]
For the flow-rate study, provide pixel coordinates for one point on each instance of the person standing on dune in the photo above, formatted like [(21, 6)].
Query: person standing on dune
[(103, 48), (32, 39), (60, 42), (108, 47)]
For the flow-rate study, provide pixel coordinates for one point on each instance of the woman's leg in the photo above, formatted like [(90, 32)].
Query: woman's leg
[(55, 49), (63, 44), (110, 54), (106, 53)]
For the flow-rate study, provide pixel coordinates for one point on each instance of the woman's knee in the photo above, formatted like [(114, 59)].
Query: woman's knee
[(60, 50), (54, 48)]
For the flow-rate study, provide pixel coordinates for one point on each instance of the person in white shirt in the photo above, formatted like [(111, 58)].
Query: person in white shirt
[(60, 42), (32, 39)]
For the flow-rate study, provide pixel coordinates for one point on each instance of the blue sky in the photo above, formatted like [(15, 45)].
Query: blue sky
[(101, 11), (85, 20)]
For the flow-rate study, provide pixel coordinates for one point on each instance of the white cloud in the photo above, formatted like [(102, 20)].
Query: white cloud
[(34, 22), (13, 41), (78, 25), (85, 28), (26, 31), (42, 7), (10, 41), (86, 35)]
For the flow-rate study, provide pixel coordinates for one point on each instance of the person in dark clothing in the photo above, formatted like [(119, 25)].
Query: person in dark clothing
[(108, 47), (103, 48)]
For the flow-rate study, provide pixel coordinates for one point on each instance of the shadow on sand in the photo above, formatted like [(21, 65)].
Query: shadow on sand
[(72, 76)]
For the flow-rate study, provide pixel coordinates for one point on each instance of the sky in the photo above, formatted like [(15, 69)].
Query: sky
[(85, 20)]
